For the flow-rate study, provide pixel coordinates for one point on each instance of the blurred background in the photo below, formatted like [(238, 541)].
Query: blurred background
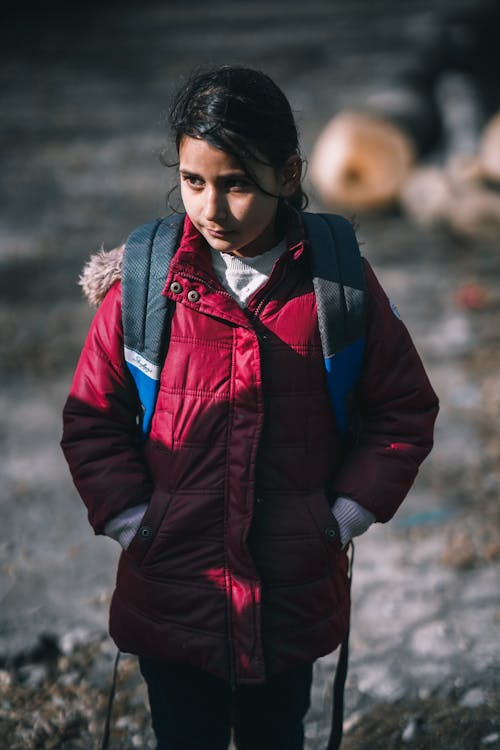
[(396, 105)]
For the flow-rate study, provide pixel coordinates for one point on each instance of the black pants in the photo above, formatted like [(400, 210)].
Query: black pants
[(192, 710)]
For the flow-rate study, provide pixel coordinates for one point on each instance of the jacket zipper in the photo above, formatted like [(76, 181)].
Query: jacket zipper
[(265, 299), (252, 317)]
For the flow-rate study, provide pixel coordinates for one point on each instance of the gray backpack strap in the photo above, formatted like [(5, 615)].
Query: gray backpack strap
[(340, 287), (148, 253)]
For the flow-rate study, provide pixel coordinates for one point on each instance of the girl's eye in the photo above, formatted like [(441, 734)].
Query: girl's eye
[(238, 185), (192, 180)]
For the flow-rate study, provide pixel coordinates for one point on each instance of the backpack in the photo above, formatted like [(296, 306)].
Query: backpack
[(339, 285)]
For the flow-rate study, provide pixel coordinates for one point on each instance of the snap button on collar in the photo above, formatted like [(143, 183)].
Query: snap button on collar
[(193, 295)]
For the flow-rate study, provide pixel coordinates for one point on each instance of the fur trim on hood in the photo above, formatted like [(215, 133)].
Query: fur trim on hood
[(100, 273)]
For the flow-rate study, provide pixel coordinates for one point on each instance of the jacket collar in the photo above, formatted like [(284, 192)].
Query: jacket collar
[(194, 254)]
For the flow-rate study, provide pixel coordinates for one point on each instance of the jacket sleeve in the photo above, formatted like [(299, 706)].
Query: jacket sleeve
[(398, 409), (99, 422)]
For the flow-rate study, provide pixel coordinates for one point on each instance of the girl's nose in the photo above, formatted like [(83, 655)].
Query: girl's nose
[(215, 205)]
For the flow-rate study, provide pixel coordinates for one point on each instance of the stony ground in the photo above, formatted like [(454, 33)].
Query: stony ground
[(62, 701), (82, 123)]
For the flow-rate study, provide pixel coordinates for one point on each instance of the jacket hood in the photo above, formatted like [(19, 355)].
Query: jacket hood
[(99, 274)]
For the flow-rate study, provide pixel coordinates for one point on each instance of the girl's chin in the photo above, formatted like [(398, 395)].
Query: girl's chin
[(217, 236), (225, 244), (229, 244)]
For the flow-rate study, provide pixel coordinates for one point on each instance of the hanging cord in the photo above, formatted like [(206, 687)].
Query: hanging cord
[(107, 723), (340, 678)]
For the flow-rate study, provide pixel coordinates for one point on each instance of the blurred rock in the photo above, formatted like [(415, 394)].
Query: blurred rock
[(360, 162), (489, 152), (471, 296), (474, 698), (454, 196), (33, 675), (425, 195), (5, 679), (72, 639), (409, 733), (491, 739)]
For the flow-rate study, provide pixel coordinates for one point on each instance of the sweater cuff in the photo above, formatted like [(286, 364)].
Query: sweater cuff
[(123, 527), (351, 517)]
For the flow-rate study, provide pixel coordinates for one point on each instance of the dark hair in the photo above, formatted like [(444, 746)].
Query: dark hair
[(240, 111)]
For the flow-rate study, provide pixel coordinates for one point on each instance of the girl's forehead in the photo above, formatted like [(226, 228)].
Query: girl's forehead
[(196, 152), (198, 155)]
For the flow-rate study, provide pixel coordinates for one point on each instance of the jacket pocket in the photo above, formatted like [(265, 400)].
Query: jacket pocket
[(149, 527), (325, 522)]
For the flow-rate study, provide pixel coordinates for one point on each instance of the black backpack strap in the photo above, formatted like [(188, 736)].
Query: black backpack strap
[(337, 725), (148, 253), (111, 697)]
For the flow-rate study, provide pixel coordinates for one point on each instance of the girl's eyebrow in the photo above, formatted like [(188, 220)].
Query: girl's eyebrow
[(234, 174)]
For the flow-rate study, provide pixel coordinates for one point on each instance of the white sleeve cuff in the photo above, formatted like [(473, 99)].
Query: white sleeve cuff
[(351, 517), (124, 527)]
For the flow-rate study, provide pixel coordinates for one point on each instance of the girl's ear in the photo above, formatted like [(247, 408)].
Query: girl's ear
[(291, 175)]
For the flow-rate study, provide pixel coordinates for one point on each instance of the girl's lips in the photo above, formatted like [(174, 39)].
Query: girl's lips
[(218, 233)]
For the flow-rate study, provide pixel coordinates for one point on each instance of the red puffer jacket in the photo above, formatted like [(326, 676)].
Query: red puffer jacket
[(237, 568)]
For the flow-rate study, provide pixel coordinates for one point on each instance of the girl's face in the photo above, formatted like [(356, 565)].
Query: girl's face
[(225, 206)]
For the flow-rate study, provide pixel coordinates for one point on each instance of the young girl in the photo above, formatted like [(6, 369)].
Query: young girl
[(235, 513)]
